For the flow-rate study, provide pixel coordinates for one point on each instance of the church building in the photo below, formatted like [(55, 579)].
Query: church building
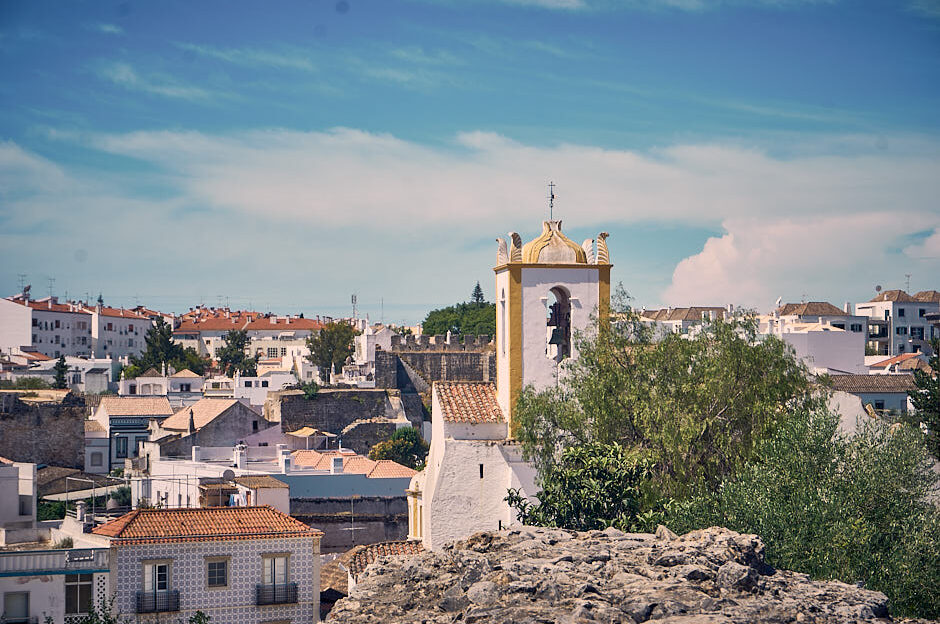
[(546, 290)]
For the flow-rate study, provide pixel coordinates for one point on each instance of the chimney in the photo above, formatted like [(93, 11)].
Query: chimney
[(336, 465), (845, 308), (283, 460), (273, 319), (287, 319), (240, 456), (196, 453)]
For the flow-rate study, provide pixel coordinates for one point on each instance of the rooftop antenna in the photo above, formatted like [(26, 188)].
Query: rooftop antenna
[(51, 285), (382, 300), (354, 300), (22, 278), (908, 276), (551, 200)]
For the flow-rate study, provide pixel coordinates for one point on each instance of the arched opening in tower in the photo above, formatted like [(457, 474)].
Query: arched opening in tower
[(558, 325)]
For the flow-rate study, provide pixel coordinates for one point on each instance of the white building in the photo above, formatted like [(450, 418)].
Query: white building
[(126, 421), (681, 320), (244, 565), (117, 333), (823, 347), (18, 511), (545, 291), (181, 388), (49, 327), (255, 389), (898, 322), (90, 376)]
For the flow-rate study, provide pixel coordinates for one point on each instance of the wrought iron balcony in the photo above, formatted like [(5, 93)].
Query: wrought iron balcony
[(282, 593), (158, 601)]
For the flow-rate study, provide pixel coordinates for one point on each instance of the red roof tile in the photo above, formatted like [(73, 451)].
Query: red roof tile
[(468, 402), (281, 324), (873, 384), (143, 526), (366, 555), (136, 406), (45, 306), (928, 296), (892, 295), (895, 360), (810, 308)]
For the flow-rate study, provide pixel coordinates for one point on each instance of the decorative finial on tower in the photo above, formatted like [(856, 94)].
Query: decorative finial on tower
[(551, 200), (603, 254)]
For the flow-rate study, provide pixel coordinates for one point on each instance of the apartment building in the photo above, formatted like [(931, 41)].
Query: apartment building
[(899, 322), (46, 326)]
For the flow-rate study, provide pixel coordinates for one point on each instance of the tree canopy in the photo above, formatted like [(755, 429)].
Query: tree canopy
[(61, 370), (926, 399), (232, 356), (405, 446), (160, 349), (475, 317), (330, 347)]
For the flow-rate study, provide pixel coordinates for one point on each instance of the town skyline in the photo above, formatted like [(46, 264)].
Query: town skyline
[(283, 161)]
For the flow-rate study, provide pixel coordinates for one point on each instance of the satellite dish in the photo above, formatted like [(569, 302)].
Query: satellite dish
[(779, 301), (878, 288), (228, 475)]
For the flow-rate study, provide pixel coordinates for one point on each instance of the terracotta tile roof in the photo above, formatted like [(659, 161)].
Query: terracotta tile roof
[(352, 464), (186, 373), (204, 411), (468, 402), (151, 526), (366, 555), (136, 406), (928, 296), (260, 481), (892, 295), (333, 577), (281, 324), (121, 312), (34, 355), (150, 372), (694, 313), (895, 360), (861, 384), (210, 324), (45, 306), (810, 308), (388, 469)]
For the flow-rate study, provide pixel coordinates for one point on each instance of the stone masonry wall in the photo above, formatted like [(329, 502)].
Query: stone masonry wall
[(373, 519), (43, 433)]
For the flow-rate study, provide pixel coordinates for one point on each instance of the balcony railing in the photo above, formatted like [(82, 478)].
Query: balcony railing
[(51, 561), (284, 593), (158, 601)]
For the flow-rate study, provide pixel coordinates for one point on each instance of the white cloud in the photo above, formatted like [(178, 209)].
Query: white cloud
[(813, 222), (929, 248), (253, 57), (126, 76), (108, 29)]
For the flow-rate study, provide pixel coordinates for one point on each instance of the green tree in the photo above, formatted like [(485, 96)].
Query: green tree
[(61, 371), (232, 356), (837, 507), (592, 486), (462, 318), (926, 399), (329, 347), (477, 295), (693, 406), (405, 446), (160, 349)]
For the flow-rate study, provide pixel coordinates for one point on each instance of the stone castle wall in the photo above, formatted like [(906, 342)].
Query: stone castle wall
[(373, 519), (50, 433)]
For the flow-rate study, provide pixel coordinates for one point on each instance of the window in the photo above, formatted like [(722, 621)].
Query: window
[(856, 327), (900, 312), (26, 505), (274, 570), (917, 333), (132, 389), (57, 325), (130, 327), (272, 352), (264, 384), (120, 447), (157, 576), (77, 593), (247, 383), (35, 322), (921, 312), (186, 387), (16, 606), (558, 345), (137, 441), (481, 471), (96, 459), (879, 405), (839, 325), (217, 572), (900, 331), (283, 351), (254, 425), (109, 327)]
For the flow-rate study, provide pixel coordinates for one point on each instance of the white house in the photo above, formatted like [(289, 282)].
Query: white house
[(126, 421), (255, 389), (898, 322), (18, 494), (49, 327), (242, 565), (823, 347), (545, 291), (117, 333)]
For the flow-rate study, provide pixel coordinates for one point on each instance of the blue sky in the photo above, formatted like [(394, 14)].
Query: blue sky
[(285, 155)]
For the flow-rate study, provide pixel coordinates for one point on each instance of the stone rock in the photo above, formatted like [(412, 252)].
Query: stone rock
[(529, 574)]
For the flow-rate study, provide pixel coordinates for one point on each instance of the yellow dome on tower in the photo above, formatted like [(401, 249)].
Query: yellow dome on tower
[(553, 247)]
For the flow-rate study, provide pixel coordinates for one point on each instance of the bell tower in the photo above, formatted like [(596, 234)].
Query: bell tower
[(546, 290)]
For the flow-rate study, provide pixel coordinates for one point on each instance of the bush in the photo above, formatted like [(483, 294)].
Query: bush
[(837, 507), (50, 510), (65, 542), (310, 389), (405, 446)]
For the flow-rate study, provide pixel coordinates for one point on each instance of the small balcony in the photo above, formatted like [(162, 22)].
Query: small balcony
[(158, 601), (33, 619), (285, 593)]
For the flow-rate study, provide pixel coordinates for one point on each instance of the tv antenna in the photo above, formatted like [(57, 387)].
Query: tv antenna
[(22, 278), (51, 285), (354, 300), (908, 276), (551, 200)]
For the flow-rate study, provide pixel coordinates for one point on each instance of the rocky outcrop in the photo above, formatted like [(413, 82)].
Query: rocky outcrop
[(713, 576)]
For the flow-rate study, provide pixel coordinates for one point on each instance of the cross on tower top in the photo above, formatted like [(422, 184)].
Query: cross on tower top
[(551, 200)]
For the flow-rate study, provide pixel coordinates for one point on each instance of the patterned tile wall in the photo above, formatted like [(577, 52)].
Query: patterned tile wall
[(234, 604)]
